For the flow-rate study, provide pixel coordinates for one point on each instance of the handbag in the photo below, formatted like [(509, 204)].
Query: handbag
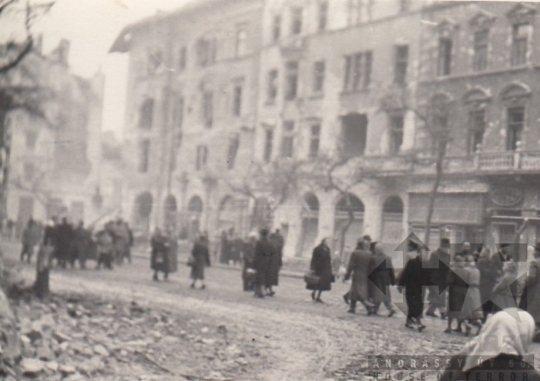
[(251, 274), (311, 278), (191, 261)]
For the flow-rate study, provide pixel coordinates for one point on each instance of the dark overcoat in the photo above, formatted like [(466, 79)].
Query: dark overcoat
[(201, 256), (359, 266), (413, 278), (277, 259), (262, 261), (321, 265), (488, 278), (158, 259), (381, 276), (458, 286), (505, 292), (64, 238)]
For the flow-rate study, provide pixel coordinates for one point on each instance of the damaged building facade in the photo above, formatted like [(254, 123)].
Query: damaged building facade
[(220, 86)]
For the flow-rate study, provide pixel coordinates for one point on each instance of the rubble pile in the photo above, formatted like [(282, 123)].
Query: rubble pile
[(79, 338)]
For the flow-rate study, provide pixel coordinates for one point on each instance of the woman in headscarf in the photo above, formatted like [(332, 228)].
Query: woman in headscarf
[(321, 265), (499, 352), (471, 313), (505, 291), (457, 282)]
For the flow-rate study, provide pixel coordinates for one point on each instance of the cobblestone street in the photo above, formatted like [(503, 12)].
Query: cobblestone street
[(282, 338)]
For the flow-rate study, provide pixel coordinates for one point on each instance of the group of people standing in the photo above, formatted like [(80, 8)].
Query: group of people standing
[(262, 261)]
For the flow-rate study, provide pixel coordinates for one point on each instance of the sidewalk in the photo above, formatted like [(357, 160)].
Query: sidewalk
[(183, 258), (12, 249)]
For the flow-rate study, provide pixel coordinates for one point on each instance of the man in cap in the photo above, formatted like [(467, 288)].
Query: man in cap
[(359, 266), (438, 267)]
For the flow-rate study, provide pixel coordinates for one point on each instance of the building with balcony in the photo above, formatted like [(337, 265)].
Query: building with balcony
[(480, 62), (191, 112), (325, 68)]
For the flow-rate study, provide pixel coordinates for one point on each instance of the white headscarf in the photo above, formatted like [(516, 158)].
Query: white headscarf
[(510, 332)]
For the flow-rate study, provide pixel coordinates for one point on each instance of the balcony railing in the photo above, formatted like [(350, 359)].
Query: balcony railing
[(504, 161)]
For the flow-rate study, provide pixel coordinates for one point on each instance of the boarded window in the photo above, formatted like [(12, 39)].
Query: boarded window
[(480, 58), (445, 56), (401, 64)]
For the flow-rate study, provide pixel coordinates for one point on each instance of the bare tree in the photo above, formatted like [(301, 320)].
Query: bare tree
[(432, 118), (278, 181), (19, 86)]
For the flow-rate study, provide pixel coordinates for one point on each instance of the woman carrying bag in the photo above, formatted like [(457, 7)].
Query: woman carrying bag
[(320, 278)]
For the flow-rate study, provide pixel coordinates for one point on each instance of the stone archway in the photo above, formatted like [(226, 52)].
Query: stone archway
[(347, 230), (310, 224), (392, 221), (170, 213), (195, 210), (143, 210)]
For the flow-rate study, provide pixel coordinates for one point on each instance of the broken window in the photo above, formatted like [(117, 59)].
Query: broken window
[(520, 39), (516, 122), (318, 76), (237, 100), (477, 127), (208, 109), (445, 56), (314, 140), (234, 144), (480, 57), (276, 27), (354, 134), (241, 42), (323, 15), (182, 58), (202, 157), (396, 133), (296, 20), (268, 144), (272, 85), (401, 64), (292, 80), (357, 71), (287, 139), (146, 114), (144, 155)]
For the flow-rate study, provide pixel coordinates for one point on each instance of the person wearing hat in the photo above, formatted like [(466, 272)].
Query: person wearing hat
[(530, 301), (413, 279), (488, 278), (262, 261), (438, 267), (358, 268), (365, 243)]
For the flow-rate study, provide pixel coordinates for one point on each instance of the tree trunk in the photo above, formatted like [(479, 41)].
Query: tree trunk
[(5, 146), (433, 195), (343, 232)]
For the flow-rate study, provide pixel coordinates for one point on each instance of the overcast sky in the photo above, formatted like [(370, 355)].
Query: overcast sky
[(92, 26)]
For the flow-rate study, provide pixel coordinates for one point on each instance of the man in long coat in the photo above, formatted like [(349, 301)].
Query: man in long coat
[(277, 242), (382, 276), (201, 259), (262, 261), (359, 266), (413, 278), (438, 267), (488, 278)]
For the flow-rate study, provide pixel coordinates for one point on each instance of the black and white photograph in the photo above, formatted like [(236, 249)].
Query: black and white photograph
[(269, 190)]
